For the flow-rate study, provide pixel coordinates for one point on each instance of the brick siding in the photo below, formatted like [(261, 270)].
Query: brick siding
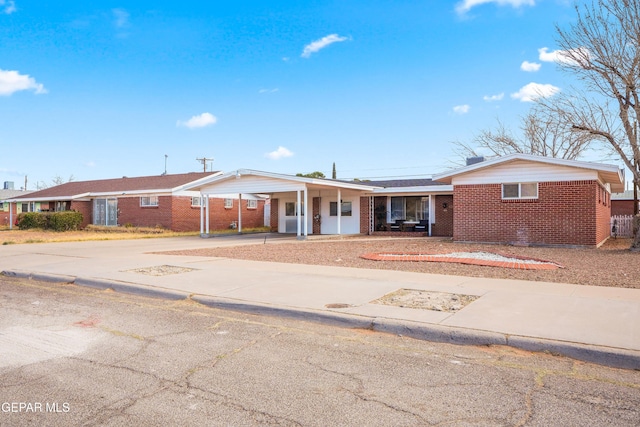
[(275, 215), (567, 213), (365, 215), (621, 207), (444, 216), (85, 208)]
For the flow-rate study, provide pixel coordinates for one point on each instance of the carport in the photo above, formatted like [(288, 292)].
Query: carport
[(336, 204)]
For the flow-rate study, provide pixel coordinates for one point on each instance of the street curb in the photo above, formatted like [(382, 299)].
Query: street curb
[(607, 356)]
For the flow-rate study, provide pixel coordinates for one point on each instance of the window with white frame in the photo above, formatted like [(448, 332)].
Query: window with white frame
[(520, 190), (252, 204), (149, 201), (409, 208), (195, 201), (228, 203)]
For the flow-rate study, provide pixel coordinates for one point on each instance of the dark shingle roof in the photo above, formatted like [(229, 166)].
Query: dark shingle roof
[(141, 184), (418, 182)]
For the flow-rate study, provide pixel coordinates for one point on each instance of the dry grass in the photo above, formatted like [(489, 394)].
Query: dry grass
[(9, 237), (610, 265)]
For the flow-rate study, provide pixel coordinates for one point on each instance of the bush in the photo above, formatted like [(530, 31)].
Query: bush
[(29, 220), (56, 221), (65, 221)]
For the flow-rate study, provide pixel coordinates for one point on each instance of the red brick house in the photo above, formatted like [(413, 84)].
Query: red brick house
[(622, 203), (148, 201), (530, 200), (516, 199), (9, 211)]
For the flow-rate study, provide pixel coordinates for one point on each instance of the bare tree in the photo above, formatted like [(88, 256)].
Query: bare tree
[(543, 132), (602, 49)]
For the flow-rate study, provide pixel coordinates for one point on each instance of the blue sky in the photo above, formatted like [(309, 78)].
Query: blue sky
[(101, 89)]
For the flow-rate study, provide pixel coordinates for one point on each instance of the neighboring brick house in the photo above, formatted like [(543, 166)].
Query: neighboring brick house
[(10, 211), (149, 201), (622, 203), (530, 200)]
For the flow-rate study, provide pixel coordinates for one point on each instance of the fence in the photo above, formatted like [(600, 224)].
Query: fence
[(622, 226)]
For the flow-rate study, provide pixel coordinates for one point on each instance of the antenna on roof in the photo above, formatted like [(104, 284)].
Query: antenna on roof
[(165, 164), (204, 161)]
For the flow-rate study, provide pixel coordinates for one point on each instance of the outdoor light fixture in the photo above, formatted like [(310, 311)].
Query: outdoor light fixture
[(444, 205)]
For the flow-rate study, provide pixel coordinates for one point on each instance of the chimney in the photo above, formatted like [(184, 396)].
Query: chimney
[(474, 160)]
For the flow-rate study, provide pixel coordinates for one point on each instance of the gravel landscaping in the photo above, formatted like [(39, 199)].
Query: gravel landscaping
[(610, 265)]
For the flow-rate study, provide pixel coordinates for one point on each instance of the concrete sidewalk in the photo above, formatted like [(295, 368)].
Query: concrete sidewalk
[(597, 324)]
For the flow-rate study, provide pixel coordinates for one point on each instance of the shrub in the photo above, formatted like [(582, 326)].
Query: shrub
[(65, 221), (56, 221), (29, 220)]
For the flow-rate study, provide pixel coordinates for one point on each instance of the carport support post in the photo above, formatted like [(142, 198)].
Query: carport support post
[(239, 213), (201, 214), (306, 213), (339, 204), (10, 216), (207, 209), (298, 214)]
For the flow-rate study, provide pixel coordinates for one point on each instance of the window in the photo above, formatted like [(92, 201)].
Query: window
[(149, 201), (345, 209), (528, 190), (290, 209), (228, 203), (252, 204), (413, 208), (195, 201)]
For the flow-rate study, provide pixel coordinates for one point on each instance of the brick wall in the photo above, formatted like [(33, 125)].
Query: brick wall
[(85, 208), (565, 213), (621, 207), (130, 212), (275, 215), (365, 215), (444, 216), (316, 211), (4, 215)]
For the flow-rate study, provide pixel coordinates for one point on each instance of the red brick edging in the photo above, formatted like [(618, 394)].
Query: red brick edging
[(515, 263)]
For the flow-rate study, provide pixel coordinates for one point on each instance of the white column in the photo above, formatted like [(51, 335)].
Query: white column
[(201, 214), (431, 212), (239, 213), (306, 213), (207, 210), (339, 204), (11, 216), (298, 213)]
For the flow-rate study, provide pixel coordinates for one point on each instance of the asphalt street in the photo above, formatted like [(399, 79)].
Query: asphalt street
[(71, 355)]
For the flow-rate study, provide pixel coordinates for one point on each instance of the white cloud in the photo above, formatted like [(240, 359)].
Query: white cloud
[(321, 44), (280, 153), (491, 98), (466, 5), (7, 6), (533, 91), (204, 119), (274, 90), (12, 81), (530, 66), (562, 56), (461, 109)]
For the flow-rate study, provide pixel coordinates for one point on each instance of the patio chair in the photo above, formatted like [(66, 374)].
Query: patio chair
[(421, 226), (396, 226)]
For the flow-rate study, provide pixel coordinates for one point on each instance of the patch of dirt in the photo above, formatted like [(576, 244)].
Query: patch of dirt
[(426, 300), (160, 270)]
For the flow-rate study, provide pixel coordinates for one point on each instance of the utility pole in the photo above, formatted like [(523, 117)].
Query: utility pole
[(204, 161), (165, 164)]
